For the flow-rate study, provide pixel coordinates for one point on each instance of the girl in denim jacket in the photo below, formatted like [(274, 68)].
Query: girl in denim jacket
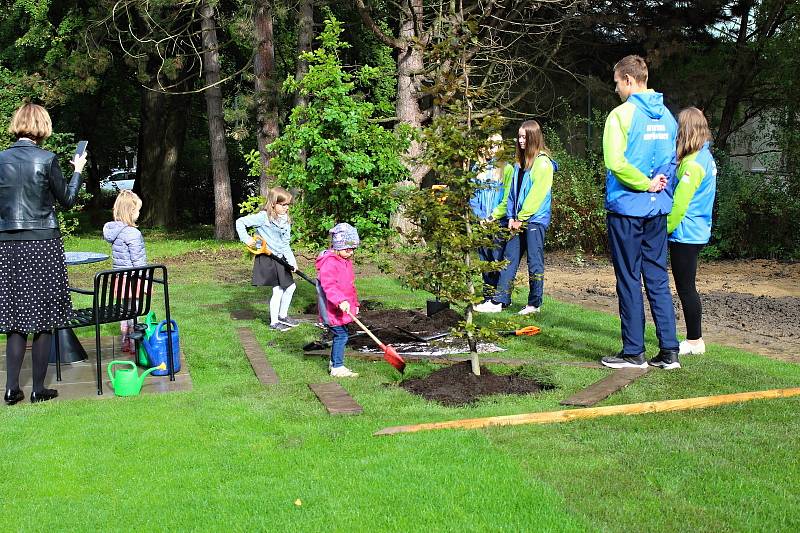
[(273, 225)]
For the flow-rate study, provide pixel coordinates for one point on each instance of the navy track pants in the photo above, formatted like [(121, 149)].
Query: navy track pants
[(639, 252)]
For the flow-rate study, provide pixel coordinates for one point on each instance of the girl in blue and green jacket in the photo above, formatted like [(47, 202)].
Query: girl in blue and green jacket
[(526, 206), (689, 222), (489, 193)]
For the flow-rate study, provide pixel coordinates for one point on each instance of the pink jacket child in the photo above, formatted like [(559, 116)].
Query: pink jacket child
[(336, 288), (337, 284)]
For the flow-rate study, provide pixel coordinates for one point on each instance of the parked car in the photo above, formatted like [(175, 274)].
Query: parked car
[(119, 180)]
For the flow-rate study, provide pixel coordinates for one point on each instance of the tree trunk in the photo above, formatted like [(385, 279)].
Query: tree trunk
[(96, 171), (736, 81), (305, 35), (223, 203), (468, 316), (266, 90), (162, 131), (747, 63), (410, 63)]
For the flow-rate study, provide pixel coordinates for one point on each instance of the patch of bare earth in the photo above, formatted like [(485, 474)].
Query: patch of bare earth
[(753, 305), (456, 385), (230, 265)]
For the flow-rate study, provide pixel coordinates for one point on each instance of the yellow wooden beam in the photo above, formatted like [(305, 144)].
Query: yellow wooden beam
[(595, 412)]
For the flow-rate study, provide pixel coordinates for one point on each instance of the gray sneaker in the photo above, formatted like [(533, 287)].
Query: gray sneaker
[(279, 326), (666, 360), (291, 322), (622, 360)]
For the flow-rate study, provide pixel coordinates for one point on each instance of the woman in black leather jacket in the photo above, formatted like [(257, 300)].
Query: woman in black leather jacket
[(34, 297)]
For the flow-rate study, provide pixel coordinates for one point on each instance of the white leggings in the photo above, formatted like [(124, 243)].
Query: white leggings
[(279, 303)]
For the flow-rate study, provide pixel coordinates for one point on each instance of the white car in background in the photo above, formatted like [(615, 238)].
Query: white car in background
[(119, 180)]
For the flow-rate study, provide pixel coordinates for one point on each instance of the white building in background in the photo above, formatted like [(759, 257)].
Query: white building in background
[(754, 147)]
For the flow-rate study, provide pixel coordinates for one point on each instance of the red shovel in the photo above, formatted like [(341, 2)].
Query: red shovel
[(389, 353)]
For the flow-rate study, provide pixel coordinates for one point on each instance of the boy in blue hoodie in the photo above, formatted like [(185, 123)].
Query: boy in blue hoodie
[(639, 153)]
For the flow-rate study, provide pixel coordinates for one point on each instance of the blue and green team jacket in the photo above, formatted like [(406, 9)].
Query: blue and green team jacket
[(638, 144), (693, 199), (489, 192), (533, 203)]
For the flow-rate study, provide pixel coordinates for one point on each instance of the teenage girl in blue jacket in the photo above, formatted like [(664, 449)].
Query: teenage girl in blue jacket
[(526, 206), (689, 222)]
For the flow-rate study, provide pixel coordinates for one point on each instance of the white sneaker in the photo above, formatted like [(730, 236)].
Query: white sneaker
[(692, 349), (343, 372), (528, 310), (488, 307)]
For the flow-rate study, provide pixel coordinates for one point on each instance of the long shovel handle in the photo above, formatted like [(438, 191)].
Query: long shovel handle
[(389, 353), (297, 271), (282, 261), (302, 275), (366, 330)]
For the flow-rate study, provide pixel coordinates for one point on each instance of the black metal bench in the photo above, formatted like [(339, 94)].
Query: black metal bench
[(119, 294)]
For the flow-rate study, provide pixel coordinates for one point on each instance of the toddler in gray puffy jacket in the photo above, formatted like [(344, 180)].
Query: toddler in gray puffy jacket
[(127, 246)]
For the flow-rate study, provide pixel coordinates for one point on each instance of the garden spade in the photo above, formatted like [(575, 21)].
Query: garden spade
[(389, 353), (527, 330)]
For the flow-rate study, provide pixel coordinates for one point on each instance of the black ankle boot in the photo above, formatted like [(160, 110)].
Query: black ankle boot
[(44, 395), (13, 396)]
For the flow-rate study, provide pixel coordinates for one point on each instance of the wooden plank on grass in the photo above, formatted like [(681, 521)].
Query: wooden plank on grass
[(448, 360), (600, 390), (335, 399), (552, 417), (243, 314), (258, 359)]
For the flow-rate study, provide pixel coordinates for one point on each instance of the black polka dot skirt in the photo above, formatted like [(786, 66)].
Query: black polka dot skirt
[(33, 286)]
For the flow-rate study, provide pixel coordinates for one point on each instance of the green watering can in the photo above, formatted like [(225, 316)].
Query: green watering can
[(126, 381)]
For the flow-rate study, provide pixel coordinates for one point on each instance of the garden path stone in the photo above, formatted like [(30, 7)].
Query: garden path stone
[(335, 399), (258, 359), (78, 378), (600, 390), (243, 314)]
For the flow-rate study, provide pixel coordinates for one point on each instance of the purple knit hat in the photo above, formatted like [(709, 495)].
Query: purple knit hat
[(344, 236)]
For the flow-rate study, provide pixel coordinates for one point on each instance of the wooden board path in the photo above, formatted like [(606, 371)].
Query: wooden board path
[(568, 415), (448, 360), (258, 359), (335, 399), (600, 390), (243, 314)]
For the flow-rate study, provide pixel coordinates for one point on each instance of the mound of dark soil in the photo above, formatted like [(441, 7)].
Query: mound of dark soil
[(384, 323), (411, 320), (456, 385)]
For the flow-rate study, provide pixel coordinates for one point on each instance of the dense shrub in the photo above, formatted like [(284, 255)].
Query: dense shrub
[(757, 214), (345, 165), (578, 220), (14, 93)]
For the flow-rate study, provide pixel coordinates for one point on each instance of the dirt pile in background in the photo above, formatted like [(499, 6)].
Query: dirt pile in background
[(749, 304), (384, 323)]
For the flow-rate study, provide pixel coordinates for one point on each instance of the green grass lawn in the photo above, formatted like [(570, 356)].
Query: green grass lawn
[(233, 454)]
